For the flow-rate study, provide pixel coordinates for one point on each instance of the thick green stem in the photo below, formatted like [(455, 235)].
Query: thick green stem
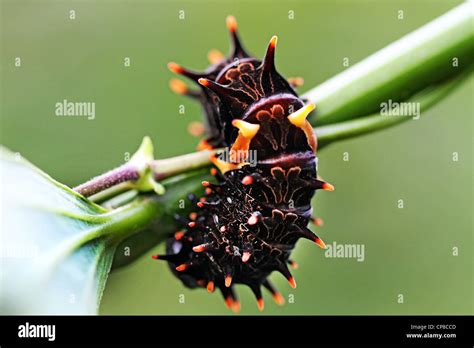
[(171, 166), (364, 125), (439, 50)]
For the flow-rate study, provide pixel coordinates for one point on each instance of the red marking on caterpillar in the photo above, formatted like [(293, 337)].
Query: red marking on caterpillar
[(251, 219)]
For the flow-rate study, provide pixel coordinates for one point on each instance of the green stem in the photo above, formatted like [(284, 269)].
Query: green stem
[(360, 126), (171, 166), (111, 192), (439, 50)]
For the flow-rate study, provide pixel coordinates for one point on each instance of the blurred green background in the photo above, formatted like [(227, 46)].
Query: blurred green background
[(408, 251)]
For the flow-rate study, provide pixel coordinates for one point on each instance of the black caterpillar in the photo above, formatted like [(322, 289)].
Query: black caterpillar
[(247, 225)]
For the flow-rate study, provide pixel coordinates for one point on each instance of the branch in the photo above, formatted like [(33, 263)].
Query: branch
[(364, 125), (442, 49)]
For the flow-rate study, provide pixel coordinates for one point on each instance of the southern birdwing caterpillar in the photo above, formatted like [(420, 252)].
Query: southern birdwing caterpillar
[(247, 224)]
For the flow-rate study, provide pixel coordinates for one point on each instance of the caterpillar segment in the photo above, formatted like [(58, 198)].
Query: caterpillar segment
[(249, 221)]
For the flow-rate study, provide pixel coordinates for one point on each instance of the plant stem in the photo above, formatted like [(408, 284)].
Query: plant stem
[(360, 126), (171, 166), (121, 179), (107, 180), (441, 49)]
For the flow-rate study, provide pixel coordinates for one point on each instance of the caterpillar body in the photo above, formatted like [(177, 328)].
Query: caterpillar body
[(248, 223)]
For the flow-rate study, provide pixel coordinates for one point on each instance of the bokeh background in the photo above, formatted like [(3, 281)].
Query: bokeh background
[(408, 251)]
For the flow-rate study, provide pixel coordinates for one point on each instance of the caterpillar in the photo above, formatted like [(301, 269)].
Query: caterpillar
[(248, 222)]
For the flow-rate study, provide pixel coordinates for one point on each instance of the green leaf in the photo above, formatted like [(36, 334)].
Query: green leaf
[(43, 223), (57, 247)]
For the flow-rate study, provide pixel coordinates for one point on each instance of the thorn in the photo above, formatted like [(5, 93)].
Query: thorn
[(268, 63), (273, 41), (182, 267), (242, 143), (237, 50), (317, 221), (276, 295), (231, 23), (318, 184), (178, 69), (296, 81), (215, 56), (246, 256), (260, 304), (200, 248), (287, 274), (328, 187), (320, 243), (167, 257), (179, 235), (228, 302), (225, 93), (258, 295), (247, 180), (210, 287), (305, 232), (204, 145), (236, 306), (292, 282), (248, 130), (293, 264), (215, 87), (192, 224), (298, 118), (204, 82), (178, 86), (228, 281), (279, 300), (224, 166), (253, 219), (196, 129)]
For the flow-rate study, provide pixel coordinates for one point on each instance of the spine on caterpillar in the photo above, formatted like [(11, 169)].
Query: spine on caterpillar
[(248, 222)]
